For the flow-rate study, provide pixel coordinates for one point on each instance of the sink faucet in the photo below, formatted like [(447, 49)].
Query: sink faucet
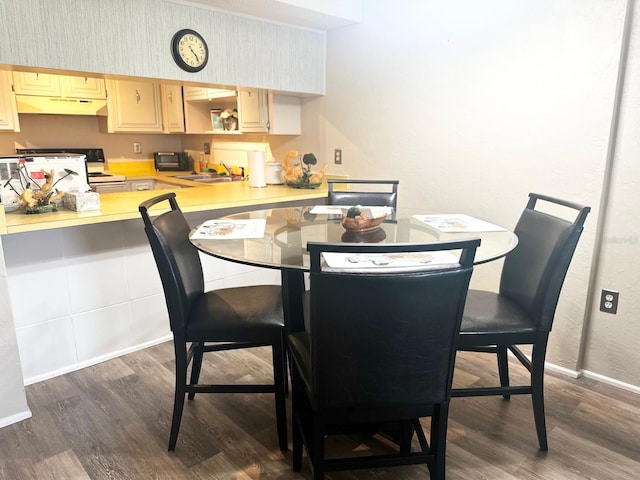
[(227, 168)]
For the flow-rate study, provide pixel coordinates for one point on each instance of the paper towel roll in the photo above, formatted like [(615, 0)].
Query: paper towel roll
[(256, 169)]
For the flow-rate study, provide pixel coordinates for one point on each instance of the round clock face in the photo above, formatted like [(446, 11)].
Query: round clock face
[(189, 50)]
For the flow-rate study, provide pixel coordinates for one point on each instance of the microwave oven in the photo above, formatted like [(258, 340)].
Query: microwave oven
[(172, 161)]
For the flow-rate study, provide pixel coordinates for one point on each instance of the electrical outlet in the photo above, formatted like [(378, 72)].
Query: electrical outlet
[(609, 301), (337, 156), (137, 147), (207, 148)]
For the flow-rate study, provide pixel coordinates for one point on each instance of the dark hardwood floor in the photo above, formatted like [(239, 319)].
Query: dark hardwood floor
[(111, 421)]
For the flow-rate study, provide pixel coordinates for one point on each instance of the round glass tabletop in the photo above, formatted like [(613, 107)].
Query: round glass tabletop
[(288, 230)]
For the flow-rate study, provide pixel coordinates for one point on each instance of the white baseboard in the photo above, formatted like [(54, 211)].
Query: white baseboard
[(595, 376), (95, 361), (18, 417), (612, 381)]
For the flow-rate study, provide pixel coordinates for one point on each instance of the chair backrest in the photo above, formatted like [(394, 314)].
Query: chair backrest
[(387, 198), (386, 338), (177, 259), (533, 273)]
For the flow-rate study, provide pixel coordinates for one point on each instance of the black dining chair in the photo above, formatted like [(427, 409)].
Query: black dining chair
[(384, 195), (379, 352), (522, 312), (217, 320)]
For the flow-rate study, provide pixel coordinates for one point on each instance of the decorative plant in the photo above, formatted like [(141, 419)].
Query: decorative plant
[(40, 196), (300, 172)]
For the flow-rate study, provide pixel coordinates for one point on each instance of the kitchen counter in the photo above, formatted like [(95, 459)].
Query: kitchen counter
[(124, 206)]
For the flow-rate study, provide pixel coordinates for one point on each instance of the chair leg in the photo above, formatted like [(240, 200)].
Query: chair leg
[(439, 421), (180, 390), (297, 445), (296, 421), (196, 367), (537, 393), (316, 455), (405, 436), (503, 368), (279, 382)]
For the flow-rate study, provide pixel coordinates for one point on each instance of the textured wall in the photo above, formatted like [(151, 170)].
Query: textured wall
[(612, 342), (474, 105), (125, 37)]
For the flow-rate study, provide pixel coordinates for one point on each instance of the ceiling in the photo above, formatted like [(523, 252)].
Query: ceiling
[(284, 11)]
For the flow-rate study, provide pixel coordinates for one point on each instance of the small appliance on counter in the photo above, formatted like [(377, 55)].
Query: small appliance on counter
[(172, 161), (100, 180), (40, 181)]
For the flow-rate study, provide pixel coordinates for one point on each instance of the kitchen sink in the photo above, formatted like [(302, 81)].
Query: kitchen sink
[(194, 176), (204, 178), (211, 179)]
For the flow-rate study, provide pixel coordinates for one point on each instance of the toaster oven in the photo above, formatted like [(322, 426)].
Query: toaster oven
[(172, 161)]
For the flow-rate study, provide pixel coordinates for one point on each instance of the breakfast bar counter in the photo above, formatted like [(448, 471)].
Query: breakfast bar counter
[(124, 206), (79, 288)]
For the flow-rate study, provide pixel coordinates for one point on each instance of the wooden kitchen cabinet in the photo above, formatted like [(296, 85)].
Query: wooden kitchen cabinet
[(8, 111), (39, 84), (65, 86), (253, 109), (264, 112), (198, 103), (83, 87), (172, 109), (134, 106)]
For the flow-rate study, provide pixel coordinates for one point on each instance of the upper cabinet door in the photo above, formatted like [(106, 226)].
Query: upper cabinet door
[(83, 87), (134, 106), (172, 109), (8, 111), (41, 84), (253, 111)]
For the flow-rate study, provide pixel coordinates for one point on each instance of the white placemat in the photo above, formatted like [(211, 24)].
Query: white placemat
[(389, 262), (230, 229), (458, 223)]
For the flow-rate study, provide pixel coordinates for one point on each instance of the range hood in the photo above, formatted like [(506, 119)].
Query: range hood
[(60, 106)]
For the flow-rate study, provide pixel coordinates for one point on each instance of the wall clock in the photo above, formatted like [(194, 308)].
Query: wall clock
[(189, 50)]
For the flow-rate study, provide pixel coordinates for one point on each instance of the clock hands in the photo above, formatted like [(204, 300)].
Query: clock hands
[(194, 53)]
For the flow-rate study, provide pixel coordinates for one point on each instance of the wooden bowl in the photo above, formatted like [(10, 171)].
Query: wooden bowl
[(359, 224)]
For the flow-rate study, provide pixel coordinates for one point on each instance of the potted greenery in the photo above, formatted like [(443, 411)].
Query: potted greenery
[(299, 174)]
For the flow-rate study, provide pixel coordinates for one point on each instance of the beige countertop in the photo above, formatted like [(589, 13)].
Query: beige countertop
[(124, 206)]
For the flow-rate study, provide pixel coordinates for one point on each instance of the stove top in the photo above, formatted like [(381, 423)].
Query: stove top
[(94, 158), (93, 155)]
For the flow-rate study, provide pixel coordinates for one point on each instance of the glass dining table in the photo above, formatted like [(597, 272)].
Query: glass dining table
[(287, 231)]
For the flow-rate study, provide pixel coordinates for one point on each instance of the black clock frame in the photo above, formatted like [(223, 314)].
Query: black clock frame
[(176, 53)]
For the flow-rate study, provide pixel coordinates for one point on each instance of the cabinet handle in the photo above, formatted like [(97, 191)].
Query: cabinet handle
[(137, 96), (170, 96)]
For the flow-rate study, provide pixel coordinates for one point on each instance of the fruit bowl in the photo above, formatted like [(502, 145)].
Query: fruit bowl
[(356, 220)]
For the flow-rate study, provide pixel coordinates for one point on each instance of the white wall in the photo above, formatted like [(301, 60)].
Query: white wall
[(472, 105), (12, 395), (611, 344)]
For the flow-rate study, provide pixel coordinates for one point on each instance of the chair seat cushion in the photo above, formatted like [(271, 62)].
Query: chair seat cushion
[(489, 313), (237, 314)]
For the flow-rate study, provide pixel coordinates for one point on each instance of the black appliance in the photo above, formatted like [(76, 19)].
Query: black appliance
[(172, 161)]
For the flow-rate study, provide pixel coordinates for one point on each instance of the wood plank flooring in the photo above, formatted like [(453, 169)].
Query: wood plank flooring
[(111, 421)]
